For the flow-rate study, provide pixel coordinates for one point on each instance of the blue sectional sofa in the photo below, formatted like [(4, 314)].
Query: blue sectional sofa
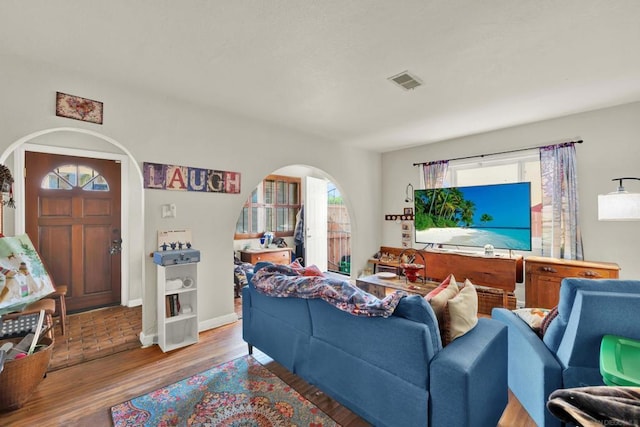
[(569, 354), (390, 371)]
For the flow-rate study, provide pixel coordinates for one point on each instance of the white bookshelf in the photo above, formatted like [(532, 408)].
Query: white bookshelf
[(177, 326)]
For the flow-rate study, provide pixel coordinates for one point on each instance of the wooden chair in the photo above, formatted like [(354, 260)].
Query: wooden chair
[(52, 309), (61, 310), (58, 295), (49, 307)]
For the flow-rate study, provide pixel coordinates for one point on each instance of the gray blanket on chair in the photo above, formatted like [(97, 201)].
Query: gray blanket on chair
[(597, 406)]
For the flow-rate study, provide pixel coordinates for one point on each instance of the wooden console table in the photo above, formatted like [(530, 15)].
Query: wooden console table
[(498, 272), (379, 286), (274, 255), (487, 298)]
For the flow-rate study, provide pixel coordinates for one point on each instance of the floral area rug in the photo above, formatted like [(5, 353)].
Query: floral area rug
[(241, 392)]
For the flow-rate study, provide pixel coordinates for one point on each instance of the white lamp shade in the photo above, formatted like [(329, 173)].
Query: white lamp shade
[(619, 206)]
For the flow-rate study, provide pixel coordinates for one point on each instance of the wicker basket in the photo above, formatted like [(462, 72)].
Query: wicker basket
[(20, 378), (488, 298)]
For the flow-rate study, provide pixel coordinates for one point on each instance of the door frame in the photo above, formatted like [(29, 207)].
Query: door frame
[(315, 222), (19, 190)]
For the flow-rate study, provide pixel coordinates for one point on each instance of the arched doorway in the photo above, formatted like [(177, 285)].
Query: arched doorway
[(62, 141), (328, 218)]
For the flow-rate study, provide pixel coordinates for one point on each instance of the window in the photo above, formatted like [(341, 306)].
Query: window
[(338, 232), (68, 177), (513, 167), (272, 206)]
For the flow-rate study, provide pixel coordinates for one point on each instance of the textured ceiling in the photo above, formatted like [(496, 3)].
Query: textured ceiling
[(322, 66)]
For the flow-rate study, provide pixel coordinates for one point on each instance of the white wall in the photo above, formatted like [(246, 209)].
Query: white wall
[(161, 130), (610, 150), (157, 129)]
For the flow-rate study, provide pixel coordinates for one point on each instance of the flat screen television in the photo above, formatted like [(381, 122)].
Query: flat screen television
[(498, 215)]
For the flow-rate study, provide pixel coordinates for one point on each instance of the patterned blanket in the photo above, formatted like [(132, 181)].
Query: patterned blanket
[(240, 271), (285, 281)]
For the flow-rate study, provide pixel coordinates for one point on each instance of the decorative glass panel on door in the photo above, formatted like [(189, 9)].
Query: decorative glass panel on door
[(69, 176), (53, 181)]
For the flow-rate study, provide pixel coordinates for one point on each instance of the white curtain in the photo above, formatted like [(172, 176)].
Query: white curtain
[(561, 237), (434, 173)]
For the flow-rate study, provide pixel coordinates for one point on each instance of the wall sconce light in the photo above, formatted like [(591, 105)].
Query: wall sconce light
[(619, 205), (408, 192)]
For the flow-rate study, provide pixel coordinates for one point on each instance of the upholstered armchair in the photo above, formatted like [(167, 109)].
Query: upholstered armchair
[(568, 355)]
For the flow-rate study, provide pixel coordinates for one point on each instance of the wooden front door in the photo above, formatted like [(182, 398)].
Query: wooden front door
[(73, 219)]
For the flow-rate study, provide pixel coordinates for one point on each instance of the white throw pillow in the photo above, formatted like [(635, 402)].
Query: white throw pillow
[(463, 311)]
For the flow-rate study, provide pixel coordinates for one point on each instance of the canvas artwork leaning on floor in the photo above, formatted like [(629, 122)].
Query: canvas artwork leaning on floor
[(23, 277)]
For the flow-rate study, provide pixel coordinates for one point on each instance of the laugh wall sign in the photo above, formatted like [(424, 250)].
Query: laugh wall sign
[(185, 178)]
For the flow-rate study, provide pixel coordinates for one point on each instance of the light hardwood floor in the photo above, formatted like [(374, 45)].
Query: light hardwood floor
[(82, 395)]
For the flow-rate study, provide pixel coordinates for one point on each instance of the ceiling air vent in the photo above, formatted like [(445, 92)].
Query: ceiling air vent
[(406, 80)]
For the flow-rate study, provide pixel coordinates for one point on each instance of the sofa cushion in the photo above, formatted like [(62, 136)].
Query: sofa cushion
[(462, 312), (439, 297), (456, 311), (415, 308), (397, 345), (551, 315), (533, 317), (311, 270), (569, 288), (283, 310), (376, 394), (444, 285)]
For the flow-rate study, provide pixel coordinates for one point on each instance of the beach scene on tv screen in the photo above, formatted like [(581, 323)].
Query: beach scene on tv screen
[(499, 215)]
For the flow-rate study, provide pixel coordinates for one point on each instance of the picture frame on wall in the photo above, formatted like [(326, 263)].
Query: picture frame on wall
[(78, 108), (408, 211), (407, 235)]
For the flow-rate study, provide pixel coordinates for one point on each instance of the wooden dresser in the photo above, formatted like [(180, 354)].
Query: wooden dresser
[(543, 276), (274, 255)]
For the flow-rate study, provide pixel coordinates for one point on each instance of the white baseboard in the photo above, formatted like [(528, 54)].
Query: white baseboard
[(217, 322), (134, 302), (148, 340)]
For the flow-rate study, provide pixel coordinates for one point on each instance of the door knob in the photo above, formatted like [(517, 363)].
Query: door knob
[(116, 246)]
